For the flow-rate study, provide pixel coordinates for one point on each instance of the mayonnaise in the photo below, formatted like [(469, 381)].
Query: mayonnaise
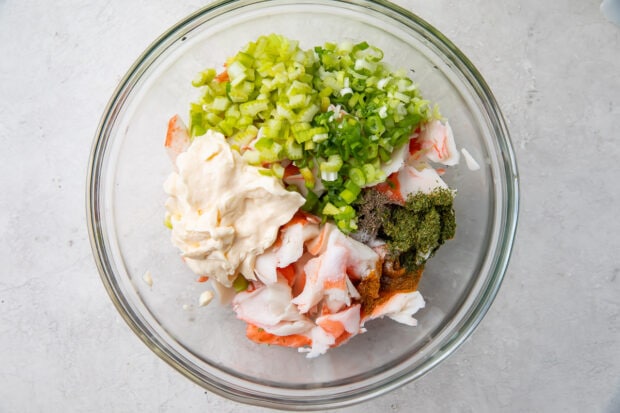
[(223, 211)]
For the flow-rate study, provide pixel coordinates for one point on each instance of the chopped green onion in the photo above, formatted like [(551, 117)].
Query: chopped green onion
[(337, 106)]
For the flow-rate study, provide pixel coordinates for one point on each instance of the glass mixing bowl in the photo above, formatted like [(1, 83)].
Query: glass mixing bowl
[(125, 200)]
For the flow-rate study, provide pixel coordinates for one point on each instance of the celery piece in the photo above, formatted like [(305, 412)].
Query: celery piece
[(237, 73), (277, 169), (284, 111), (204, 78), (293, 150), (330, 209), (268, 149), (251, 157), (226, 126), (348, 196), (233, 112), (333, 164), (308, 177), (325, 92), (252, 108), (243, 138), (246, 59), (297, 101), (220, 103), (307, 114)]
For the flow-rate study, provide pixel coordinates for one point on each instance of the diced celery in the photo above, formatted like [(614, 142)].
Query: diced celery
[(268, 149), (333, 164), (243, 138), (330, 209), (284, 111), (203, 78), (251, 157), (233, 112), (253, 107), (277, 169), (220, 103), (272, 127), (293, 150), (236, 73), (308, 113), (308, 176), (212, 118), (297, 101), (325, 92), (246, 59), (348, 196), (320, 137), (226, 126)]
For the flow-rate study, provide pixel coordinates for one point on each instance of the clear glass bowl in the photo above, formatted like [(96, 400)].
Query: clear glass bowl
[(125, 199)]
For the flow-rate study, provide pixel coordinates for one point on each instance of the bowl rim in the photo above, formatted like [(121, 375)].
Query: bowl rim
[(509, 215)]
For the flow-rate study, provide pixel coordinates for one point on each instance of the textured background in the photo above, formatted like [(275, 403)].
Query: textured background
[(551, 341)]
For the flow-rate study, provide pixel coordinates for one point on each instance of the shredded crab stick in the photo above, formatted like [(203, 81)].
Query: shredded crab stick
[(345, 321), (271, 319), (410, 171), (177, 138), (438, 141), (288, 248), (399, 307), (333, 330), (338, 257), (419, 178), (325, 278), (259, 335), (269, 307), (286, 307)]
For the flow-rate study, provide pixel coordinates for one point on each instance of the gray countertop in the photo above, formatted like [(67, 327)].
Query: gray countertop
[(551, 341)]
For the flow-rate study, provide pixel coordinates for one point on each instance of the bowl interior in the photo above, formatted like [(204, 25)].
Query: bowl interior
[(208, 342)]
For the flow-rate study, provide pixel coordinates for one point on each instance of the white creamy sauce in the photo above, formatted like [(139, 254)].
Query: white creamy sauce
[(223, 211)]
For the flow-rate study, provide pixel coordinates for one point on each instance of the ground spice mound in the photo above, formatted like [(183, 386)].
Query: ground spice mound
[(376, 289), (371, 210), (412, 232), (415, 230)]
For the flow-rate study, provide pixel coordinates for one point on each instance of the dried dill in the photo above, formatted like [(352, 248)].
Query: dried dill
[(415, 230), (412, 231)]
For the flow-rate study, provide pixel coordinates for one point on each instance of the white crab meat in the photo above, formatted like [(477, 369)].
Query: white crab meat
[(418, 178), (438, 141), (400, 307), (269, 307), (338, 257)]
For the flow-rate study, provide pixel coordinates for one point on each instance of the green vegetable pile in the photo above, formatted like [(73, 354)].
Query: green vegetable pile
[(336, 112)]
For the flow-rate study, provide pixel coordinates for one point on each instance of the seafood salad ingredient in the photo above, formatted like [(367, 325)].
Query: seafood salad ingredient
[(224, 212), (308, 190)]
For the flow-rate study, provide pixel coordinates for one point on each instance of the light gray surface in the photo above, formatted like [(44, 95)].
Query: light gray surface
[(551, 341)]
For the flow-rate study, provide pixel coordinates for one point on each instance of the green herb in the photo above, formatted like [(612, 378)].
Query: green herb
[(336, 107), (415, 230)]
